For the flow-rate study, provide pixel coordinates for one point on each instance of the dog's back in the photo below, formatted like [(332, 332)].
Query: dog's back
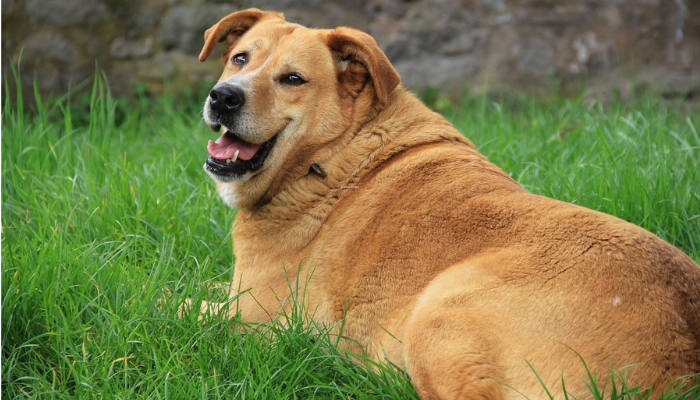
[(473, 271)]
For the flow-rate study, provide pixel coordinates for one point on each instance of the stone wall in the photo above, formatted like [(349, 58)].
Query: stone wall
[(456, 45)]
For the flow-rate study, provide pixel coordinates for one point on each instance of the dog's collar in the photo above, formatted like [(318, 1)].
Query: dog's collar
[(315, 168)]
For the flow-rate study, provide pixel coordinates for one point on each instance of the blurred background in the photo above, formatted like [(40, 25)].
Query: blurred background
[(603, 47)]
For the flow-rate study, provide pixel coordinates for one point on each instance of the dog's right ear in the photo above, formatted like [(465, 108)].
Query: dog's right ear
[(232, 27)]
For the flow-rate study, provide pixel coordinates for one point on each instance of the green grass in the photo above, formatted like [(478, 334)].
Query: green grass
[(105, 209)]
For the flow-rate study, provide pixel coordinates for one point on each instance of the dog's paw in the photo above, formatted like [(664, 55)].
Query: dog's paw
[(205, 308), (184, 307)]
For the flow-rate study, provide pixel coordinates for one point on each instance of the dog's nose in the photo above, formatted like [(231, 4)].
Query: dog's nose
[(225, 98)]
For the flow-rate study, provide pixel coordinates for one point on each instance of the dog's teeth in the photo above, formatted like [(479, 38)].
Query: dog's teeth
[(228, 161), (235, 155)]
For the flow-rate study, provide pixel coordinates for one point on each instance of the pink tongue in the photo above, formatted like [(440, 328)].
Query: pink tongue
[(225, 147)]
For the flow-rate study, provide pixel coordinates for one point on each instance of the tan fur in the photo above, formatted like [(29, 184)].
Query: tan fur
[(413, 232)]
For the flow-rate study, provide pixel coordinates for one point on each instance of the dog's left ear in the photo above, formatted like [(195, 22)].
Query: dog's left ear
[(232, 27), (359, 60)]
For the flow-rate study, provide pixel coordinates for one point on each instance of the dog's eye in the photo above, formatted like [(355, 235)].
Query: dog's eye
[(239, 59), (293, 79)]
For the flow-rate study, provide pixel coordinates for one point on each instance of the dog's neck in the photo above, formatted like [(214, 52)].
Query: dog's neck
[(296, 213)]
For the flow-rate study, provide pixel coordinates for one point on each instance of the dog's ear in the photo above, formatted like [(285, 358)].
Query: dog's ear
[(232, 27), (360, 60)]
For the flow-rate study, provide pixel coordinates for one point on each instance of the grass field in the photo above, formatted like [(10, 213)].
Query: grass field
[(105, 208)]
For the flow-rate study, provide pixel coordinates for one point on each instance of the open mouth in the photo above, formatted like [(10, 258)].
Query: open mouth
[(231, 156)]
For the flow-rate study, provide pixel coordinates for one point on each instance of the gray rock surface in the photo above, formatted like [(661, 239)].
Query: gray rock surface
[(455, 45)]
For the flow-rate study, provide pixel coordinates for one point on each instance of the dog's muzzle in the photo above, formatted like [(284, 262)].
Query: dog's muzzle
[(230, 156)]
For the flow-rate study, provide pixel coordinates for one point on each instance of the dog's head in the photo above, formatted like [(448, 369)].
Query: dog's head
[(287, 97)]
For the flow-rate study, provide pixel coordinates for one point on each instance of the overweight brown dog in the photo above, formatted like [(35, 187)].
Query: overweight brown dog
[(436, 259)]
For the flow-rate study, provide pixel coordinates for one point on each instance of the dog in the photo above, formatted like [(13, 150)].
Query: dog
[(437, 260)]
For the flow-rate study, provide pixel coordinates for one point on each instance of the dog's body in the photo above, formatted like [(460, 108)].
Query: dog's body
[(434, 257)]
